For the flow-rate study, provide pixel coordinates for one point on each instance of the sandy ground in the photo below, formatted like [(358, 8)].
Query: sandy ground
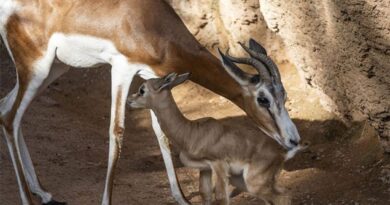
[(66, 130)]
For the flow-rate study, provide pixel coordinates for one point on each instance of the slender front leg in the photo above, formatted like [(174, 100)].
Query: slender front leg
[(121, 80), (166, 153), (206, 186)]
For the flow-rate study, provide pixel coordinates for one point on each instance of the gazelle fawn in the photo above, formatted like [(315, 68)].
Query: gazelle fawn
[(249, 159)]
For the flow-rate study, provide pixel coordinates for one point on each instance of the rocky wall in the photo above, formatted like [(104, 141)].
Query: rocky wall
[(341, 48)]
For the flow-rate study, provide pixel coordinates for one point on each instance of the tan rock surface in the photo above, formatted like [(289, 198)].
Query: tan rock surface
[(341, 48)]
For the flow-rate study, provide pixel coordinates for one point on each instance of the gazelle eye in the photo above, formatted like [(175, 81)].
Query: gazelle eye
[(263, 101)]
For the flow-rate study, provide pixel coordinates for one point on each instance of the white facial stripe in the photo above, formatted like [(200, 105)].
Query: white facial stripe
[(283, 121), (268, 95), (287, 127)]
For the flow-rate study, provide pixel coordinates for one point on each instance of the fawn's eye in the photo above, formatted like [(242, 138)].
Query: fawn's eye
[(141, 90), (263, 101)]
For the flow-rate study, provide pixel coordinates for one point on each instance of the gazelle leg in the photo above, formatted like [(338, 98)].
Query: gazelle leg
[(23, 188), (31, 176), (30, 79), (6, 104), (206, 186), (166, 154), (26, 90), (121, 80)]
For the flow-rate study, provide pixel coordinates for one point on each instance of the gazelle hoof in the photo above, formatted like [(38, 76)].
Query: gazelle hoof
[(54, 202)]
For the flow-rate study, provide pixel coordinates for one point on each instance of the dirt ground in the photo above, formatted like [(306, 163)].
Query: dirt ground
[(66, 130)]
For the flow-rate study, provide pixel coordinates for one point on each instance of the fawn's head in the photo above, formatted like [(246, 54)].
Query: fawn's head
[(153, 92), (263, 93)]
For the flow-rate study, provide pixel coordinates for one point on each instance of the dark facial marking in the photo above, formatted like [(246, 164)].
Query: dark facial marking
[(274, 120), (277, 93)]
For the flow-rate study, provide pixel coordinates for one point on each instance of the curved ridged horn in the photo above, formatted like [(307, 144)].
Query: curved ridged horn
[(259, 66), (273, 69), (233, 70), (254, 46)]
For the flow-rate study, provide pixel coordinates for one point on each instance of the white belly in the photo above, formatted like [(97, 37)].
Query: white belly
[(85, 51)]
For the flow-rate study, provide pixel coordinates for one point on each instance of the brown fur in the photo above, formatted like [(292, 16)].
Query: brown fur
[(217, 145), (141, 30), (145, 31)]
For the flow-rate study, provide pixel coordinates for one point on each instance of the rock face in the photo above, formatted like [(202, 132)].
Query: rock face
[(224, 23), (341, 48)]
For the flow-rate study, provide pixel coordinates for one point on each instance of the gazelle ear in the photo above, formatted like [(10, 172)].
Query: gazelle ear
[(167, 81), (234, 71), (253, 45), (180, 79)]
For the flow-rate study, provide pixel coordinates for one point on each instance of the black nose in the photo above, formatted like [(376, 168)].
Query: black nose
[(295, 143)]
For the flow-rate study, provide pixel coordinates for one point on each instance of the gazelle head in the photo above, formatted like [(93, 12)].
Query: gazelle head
[(153, 91), (263, 93)]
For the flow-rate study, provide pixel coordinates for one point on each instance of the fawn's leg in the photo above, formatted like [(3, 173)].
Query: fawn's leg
[(221, 183), (239, 184), (206, 186), (260, 181)]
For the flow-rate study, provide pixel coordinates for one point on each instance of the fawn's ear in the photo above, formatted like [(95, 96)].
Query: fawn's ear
[(172, 80), (167, 80), (180, 79)]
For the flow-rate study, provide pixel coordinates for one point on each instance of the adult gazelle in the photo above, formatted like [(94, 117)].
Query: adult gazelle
[(144, 37)]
